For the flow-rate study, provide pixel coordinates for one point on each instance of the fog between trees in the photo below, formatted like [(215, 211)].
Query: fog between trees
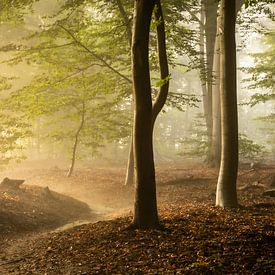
[(68, 72)]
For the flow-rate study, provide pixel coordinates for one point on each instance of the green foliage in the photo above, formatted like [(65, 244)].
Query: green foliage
[(5, 83), (13, 129), (196, 143), (180, 101), (255, 2), (13, 133), (163, 81), (248, 149), (12, 11), (263, 71)]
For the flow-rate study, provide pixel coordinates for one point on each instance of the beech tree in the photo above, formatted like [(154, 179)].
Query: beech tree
[(164, 84), (226, 194), (208, 29), (145, 209), (216, 106)]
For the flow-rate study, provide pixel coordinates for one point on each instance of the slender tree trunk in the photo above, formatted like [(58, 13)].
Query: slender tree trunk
[(130, 171), (226, 195), (76, 139), (210, 7), (145, 209), (203, 66), (216, 129)]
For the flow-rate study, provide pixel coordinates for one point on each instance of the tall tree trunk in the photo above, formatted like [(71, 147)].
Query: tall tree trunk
[(216, 110), (76, 139), (203, 67), (210, 9), (145, 209), (163, 92), (226, 195)]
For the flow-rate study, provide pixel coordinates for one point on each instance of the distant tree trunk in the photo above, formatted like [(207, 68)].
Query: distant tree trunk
[(163, 92), (211, 7), (130, 170), (203, 67), (38, 139), (216, 110), (76, 139), (145, 209), (226, 195), (207, 40)]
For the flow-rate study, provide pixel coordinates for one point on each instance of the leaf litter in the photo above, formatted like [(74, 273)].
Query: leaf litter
[(198, 237)]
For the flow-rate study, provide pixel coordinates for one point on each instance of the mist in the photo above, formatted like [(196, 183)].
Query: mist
[(71, 124)]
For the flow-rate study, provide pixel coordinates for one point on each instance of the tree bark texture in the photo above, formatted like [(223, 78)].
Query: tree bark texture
[(216, 109), (145, 209), (226, 195), (163, 92), (210, 36)]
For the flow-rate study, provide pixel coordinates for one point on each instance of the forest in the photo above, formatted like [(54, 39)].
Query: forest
[(137, 137)]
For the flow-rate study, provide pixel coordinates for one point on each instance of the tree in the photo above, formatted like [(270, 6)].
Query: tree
[(145, 209), (226, 194), (210, 26), (216, 106), (178, 39)]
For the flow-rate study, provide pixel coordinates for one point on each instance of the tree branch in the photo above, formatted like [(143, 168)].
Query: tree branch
[(126, 20), (95, 55), (163, 63), (193, 15)]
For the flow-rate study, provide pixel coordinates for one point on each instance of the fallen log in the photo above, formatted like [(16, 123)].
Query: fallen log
[(11, 183)]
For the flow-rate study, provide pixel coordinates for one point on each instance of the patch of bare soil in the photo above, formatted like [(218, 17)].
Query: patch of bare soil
[(33, 208), (199, 238)]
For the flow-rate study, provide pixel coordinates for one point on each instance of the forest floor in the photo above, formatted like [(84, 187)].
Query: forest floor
[(199, 238)]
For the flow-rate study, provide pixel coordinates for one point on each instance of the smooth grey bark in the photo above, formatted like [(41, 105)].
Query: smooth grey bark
[(145, 208), (76, 140), (226, 194), (130, 170), (216, 110), (210, 37), (203, 64), (207, 28)]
